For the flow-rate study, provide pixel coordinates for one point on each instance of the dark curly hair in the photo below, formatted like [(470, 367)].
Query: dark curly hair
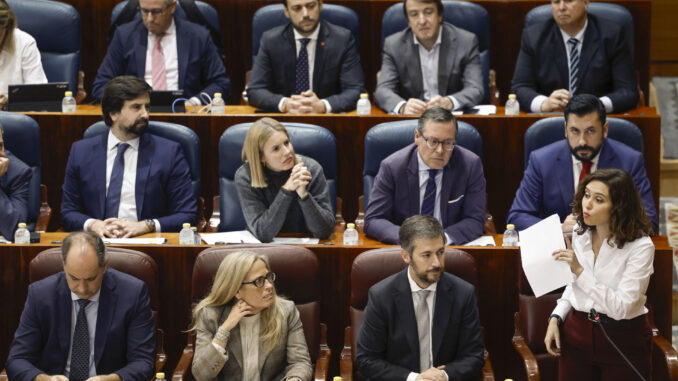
[(627, 216)]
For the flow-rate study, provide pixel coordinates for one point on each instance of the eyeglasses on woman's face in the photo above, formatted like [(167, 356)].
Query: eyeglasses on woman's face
[(261, 281)]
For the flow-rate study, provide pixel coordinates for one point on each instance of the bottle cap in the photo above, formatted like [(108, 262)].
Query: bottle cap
[(350, 226), (512, 96), (22, 224), (68, 93), (160, 375), (336, 378), (217, 95), (195, 229), (510, 226), (186, 225), (364, 95)]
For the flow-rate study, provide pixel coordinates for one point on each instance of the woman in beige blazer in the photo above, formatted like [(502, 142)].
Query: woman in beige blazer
[(244, 331)]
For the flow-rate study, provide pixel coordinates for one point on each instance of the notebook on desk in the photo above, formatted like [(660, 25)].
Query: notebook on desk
[(36, 97), (161, 101)]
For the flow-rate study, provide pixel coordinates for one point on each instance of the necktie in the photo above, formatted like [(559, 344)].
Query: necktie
[(429, 201), (80, 350), (585, 169), (158, 72), (302, 81), (115, 183), (423, 328), (574, 64)]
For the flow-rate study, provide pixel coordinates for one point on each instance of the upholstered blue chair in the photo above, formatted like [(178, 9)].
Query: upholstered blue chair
[(189, 142), (550, 130), (307, 139), (208, 11), (462, 14), (22, 138), (56, 29), (272, 15)]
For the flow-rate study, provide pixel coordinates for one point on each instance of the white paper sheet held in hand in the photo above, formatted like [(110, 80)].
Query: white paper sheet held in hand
[(537, 243)]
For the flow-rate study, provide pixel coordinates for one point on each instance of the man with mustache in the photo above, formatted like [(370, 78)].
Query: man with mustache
[(127, 183), (306, 66), (554, 171), (421, 305)]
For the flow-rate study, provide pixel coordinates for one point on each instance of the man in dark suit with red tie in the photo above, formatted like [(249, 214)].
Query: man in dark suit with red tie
[(554, 171)]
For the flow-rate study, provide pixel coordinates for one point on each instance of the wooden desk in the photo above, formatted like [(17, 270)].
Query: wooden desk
[(498, 271), (502, 148)]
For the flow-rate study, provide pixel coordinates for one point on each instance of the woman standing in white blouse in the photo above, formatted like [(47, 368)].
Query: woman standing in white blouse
[(19, 56), (611, 258), (244, 331)]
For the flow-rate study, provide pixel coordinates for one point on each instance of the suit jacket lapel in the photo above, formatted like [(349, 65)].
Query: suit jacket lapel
[(144, 161), (566, 180), (591, 43), (99, 157), (414, 67), (183, 51), (65, 316), (560, 55), (405, 312), (413, 182), (140, 50), (608, 158), (446, 57), (441, 313), (446, 187), (235, 344), (289, 60), (108, 300), (319, 65)]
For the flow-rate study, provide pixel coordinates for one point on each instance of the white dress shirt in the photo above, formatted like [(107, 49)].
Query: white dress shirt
[(614, 284), (577, 167), (91, 312), (535, 106), (22, 67), (169, 48), (310, 50)]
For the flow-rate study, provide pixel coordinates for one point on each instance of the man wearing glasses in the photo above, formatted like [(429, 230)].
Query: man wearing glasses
[(431, 176), (168, 53)]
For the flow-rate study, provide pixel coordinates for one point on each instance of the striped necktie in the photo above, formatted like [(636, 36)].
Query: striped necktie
[(574, 64), (428, 204)]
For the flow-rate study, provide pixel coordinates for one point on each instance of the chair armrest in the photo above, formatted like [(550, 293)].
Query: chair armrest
[(338, 217), (81, 94), (201, 224), (160, 356), (488, 373), (665, 348), (360, 219), (494, 95), (346, 357), (3, 376), (489, 224), (322, 363), (215, 218), (531, 366), (45, 211), (186, 359)]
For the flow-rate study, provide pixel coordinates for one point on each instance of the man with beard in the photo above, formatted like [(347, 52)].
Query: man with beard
[(306, 66), (421, 323), (554, 171), (127, 183)]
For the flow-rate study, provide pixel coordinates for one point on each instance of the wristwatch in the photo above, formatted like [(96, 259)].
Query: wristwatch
[(151, 225)]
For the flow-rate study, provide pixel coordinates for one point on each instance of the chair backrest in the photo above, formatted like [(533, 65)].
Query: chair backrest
[(372, 266), (386, 138), (272, 15), (608, 11), (307, 139), (132, 262), (208, 11), (298, 279), (549, 130), (56, 29), (183, 135), (22, 138), (462, 14)]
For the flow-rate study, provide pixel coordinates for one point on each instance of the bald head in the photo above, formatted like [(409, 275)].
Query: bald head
[(84, 259)]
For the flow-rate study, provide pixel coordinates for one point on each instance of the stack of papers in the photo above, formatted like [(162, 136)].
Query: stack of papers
[(242, 236), (135, 241)]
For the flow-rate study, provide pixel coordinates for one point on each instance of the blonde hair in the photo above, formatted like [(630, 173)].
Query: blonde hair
[(228, 280), (252, 149), (7, 22)]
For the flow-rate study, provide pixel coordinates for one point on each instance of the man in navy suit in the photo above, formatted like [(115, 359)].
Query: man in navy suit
[(85, 323), (15, 177), (127, 183), (421, 323), (322, 76), (554, 171), (574, 53), (432, 176), (169, 53)]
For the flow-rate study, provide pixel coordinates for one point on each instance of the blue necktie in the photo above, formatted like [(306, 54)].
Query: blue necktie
[(80, 350), (115, 184), (574, 65), (429, 201), (302, 80)]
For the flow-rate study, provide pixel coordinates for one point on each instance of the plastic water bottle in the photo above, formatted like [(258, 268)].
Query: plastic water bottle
[(218, 104), (350, 235), (510, 236), (364, 106), (22, 235), (68, 103), (196, 236), (160, 376), (512, 105), (186, 235)]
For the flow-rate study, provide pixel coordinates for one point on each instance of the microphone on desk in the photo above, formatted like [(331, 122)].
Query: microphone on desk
[(595, 318)]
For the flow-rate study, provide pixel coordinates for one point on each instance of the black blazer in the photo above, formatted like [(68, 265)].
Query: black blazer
[(388, 343), (605, 66), (337, 74)]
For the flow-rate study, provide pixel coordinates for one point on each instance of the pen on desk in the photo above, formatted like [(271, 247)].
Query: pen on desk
[(57, 242)]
